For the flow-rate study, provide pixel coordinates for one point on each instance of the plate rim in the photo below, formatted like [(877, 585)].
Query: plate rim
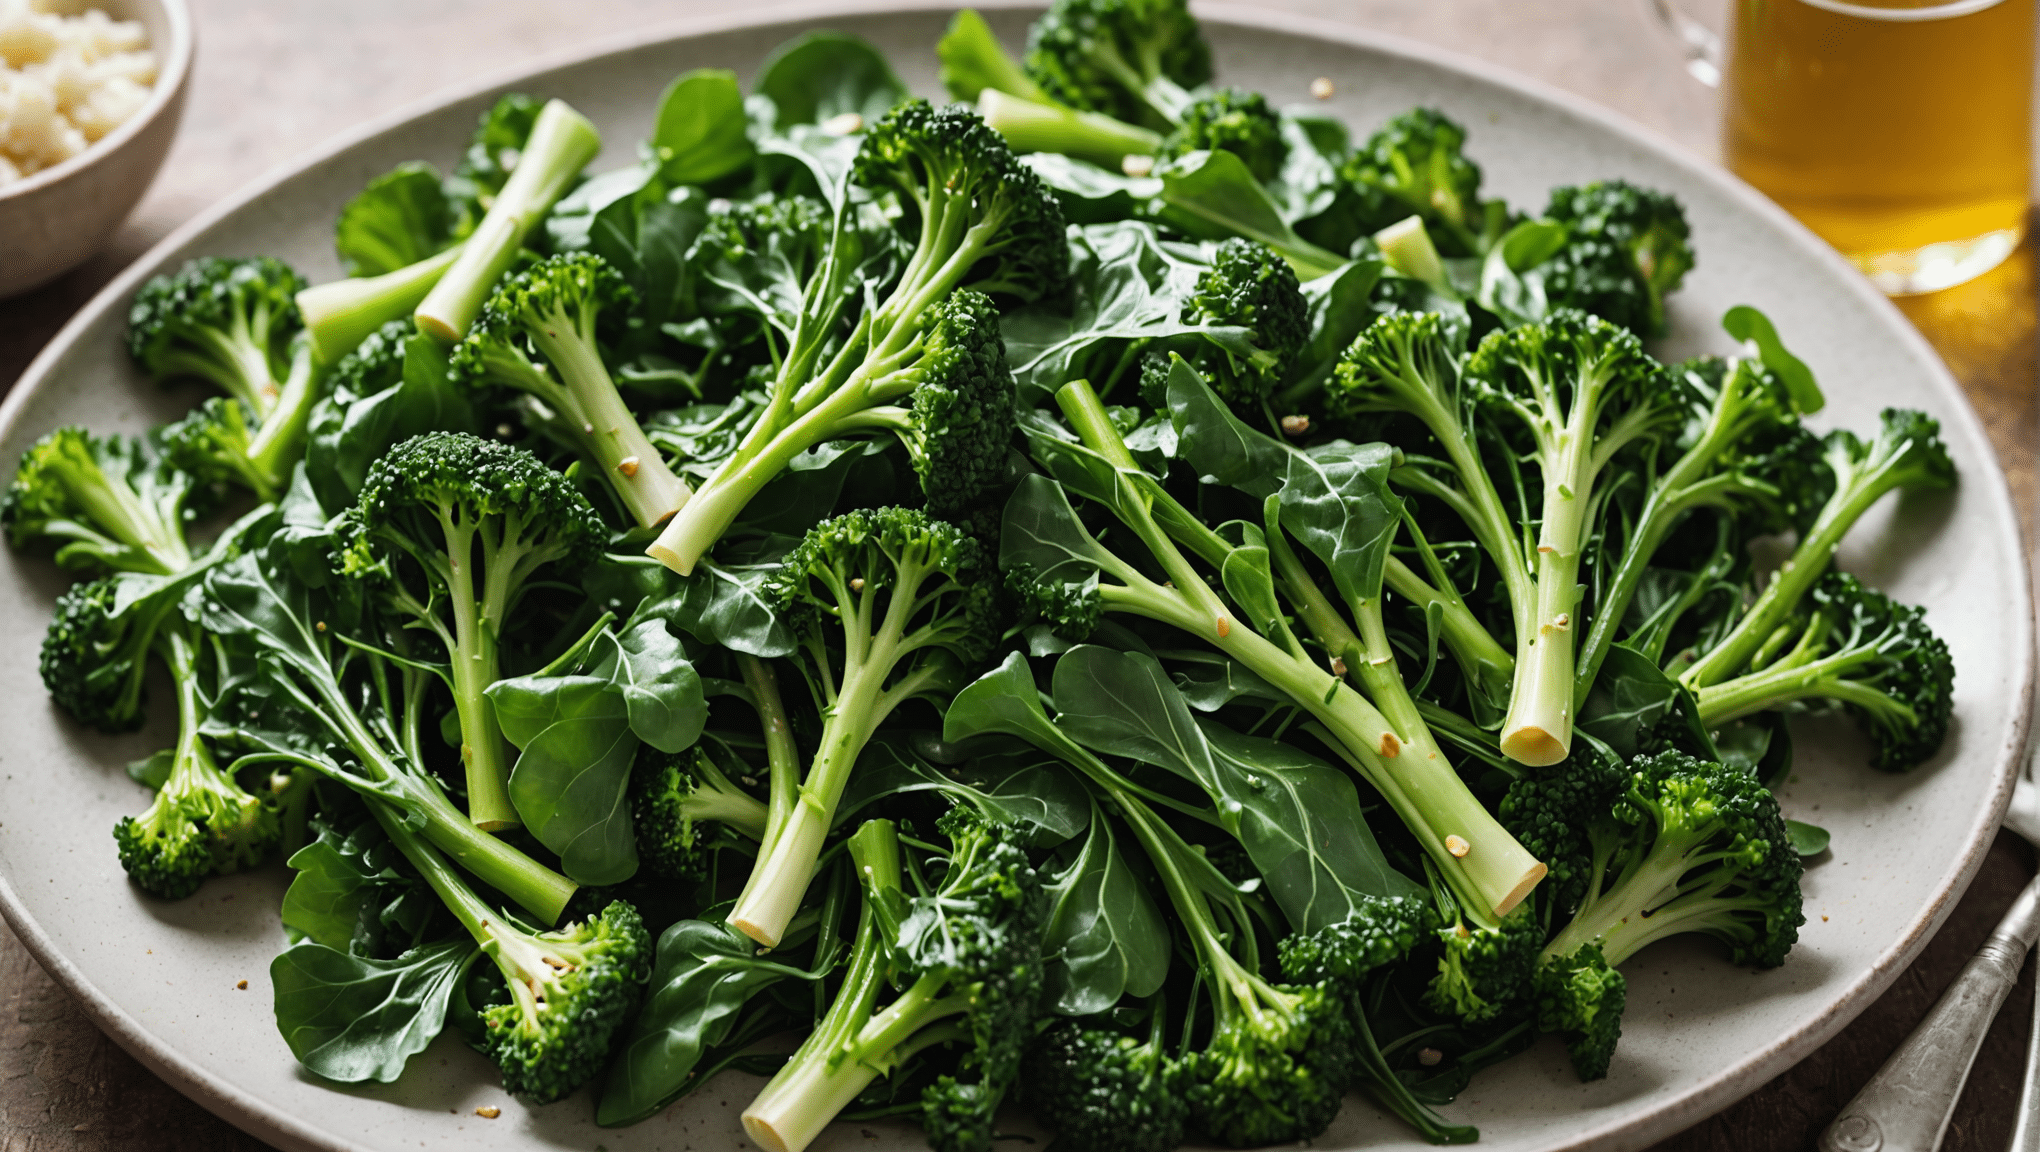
[(1712, 1094)]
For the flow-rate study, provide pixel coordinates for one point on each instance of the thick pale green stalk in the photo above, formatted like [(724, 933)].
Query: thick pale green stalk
[(280, 442), (340, 314), (817, 1082), (562, 142), (633, 467), (786, 859), (125, 516), (1034, 126), (1610, 918), (473, 660)]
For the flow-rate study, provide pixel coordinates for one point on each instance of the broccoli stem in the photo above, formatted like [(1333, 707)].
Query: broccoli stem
[(636, 470), (787, 857), (1683, 487), (1406, 247), (1038, 126), (819, 1080), (562, 142), (236, 359), (1409, 773), (1481, 657), (473, 655), (782, 756), (279, 443), (340, 314), (116, 509), (1788, 586), (532, 885), (1654, 898), (192, 767), (1798, 675)]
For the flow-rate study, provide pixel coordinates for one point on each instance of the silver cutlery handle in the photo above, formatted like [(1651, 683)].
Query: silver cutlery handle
[(1906, 1106), (2026, 1138)]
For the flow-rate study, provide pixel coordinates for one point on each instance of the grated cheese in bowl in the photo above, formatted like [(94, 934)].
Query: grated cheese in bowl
[(65, 82)]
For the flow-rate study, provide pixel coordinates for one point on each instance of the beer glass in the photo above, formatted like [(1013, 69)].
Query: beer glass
[(1900, 131)]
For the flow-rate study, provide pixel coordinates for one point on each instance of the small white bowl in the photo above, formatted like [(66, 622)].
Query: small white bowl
[(51, 221)]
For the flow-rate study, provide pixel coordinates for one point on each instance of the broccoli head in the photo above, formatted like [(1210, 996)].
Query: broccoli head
[(448, 531), (1863, 650), (95, 653), (987, 221), (1582, 997), (1104, 1091), (1414, 165), (684, 808), (538, 335), (202, 822), (1626, 249), (1690, 846), (570, 991), (1248, 286), (1276, 1067), (1231, 120), (1128, 59), (227, 321), (960, 415)]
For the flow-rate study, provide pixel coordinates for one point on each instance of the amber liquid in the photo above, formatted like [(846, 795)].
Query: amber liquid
[(1884, 136)]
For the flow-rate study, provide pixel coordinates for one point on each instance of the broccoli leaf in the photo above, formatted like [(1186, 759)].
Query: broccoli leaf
[(724, 601), (352, 1018), (339, 887), (1125, 285), (1026, 789), (1104, 936), (1222, 447), (1746, 323), (702, 133), (703, 979), (1807, 839), (822, 75), (1634, 707), (571, 781), (1341, 305), (1298, 817), (1336, 502), (400, 218), (399, 397), (1212, 196), (1090, 194), (662, 693)]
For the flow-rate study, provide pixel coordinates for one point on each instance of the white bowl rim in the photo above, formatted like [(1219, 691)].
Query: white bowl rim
[(1633, 1130), (173, 69)]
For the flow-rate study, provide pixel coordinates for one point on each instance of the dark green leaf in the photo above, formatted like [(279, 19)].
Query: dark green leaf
[(571, 781), (1336, 502), (350, 1018), (1105, 938), (661, 691), (1222, 448), (400, 218), (703, 978), (1212, 196), (1090, 194), (822, 75), (1807, 839), (702, 133), (1028, 789), (1746, 323)]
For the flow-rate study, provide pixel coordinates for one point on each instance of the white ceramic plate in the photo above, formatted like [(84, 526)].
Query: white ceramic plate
[(162, 978)]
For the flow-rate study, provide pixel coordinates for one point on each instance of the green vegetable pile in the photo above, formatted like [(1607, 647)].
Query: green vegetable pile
[(1107, 596)]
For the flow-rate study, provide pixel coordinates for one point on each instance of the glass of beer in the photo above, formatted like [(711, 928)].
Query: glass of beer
[(1900, 131)]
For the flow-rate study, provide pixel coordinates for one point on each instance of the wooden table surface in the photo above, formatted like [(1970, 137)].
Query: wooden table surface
[(276, 79)]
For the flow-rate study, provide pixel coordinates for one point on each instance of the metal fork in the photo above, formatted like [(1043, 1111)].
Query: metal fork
[(1907, 1105)]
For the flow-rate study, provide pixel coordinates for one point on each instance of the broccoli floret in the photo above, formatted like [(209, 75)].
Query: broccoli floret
[(967, 956), (1750, 457), (1344, 956), (1667, 845), (1582, 997), (1487, 964), (986, 224), (883, 603), (106, 502), (1691, 846), (1231, 120), (96, 651), (959, 418), (1906, 454), (202, 821), (226, 321), (1129, 59), (1859, 648), (1570, 394), (570, 992), (449, 528), (1626, 249), (683, 808), (1248, 286), (537, 334), (1414, 165), (1104, 1091)]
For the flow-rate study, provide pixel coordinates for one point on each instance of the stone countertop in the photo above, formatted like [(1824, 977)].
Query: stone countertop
[(274, 80)]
